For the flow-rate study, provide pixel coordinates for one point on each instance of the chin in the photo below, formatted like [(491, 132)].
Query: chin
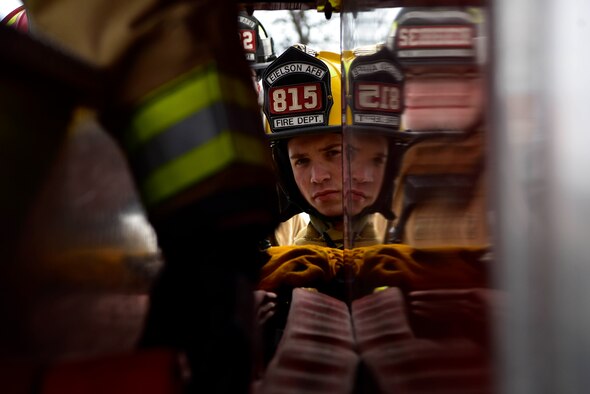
[(332, 214), (357, 208), (331, 211)]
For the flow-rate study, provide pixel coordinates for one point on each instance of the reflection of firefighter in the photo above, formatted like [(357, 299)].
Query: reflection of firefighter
[(179, 101)]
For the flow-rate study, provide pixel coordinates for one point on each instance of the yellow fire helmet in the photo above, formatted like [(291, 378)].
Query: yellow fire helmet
[(303, 95)]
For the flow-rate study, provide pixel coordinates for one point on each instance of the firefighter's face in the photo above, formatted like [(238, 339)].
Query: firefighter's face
[(317, 167), (367, 155)]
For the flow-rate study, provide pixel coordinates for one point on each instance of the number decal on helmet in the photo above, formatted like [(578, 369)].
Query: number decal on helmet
[(248, 38), (297, 93), (377, 96), (376, 83), (295, 98)]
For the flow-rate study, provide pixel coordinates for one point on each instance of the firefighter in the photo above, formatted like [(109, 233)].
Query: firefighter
[(257, 43), (303, 106), (179, 100), (440, 193), (258, 48)]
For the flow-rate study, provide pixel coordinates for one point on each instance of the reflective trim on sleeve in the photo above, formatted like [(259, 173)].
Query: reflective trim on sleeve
[(203, 161), (181, 98), (188, 134), (191, 129), (12, 20), (13, 16)]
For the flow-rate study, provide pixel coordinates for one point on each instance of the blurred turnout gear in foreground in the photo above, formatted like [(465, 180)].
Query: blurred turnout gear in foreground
[(179, 101)]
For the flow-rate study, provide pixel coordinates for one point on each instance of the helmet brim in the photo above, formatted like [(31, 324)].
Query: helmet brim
[(260, 66), (281, 135)]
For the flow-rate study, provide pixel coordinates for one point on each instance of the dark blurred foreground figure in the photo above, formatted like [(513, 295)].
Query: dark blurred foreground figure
[(179, 100)]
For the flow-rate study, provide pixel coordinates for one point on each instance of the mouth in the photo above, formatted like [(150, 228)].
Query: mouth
[(357, 195), (325, 194)]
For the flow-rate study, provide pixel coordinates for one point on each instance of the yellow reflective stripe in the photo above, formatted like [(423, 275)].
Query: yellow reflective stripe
[(12, 20), (205, 160), (181, 98)]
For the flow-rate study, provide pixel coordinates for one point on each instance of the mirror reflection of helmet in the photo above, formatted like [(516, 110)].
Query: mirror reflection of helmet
[(316, 77), (375, 103), (434, 36), (441, 50), (257, 44)]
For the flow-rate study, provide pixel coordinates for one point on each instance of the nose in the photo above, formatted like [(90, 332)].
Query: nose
[(362, 174), (319, 173)]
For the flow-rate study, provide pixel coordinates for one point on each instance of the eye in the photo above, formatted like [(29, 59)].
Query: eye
[(332, 153), (300, 161), (379, 160)]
